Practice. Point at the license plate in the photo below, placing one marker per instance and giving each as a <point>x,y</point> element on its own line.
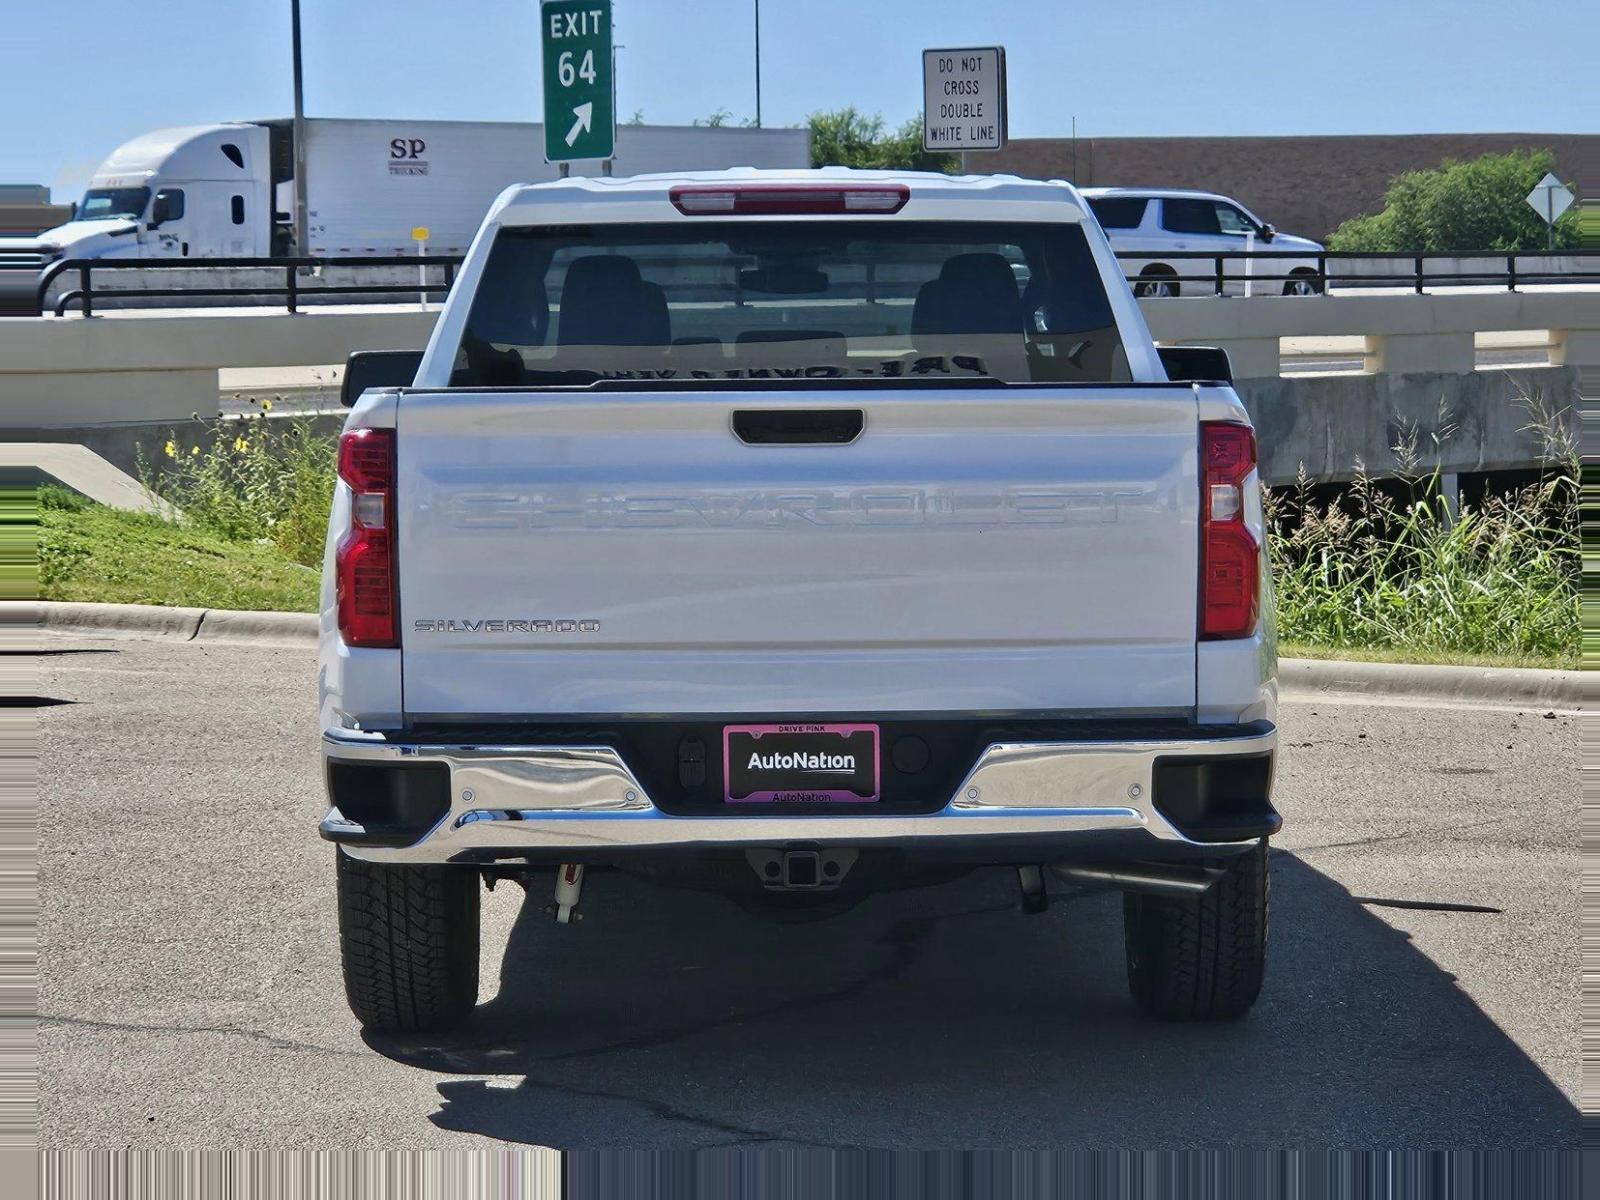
<point>800,764</point>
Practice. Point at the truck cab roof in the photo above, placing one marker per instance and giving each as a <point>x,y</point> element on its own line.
<point>980,197</point>
<point>186,151</point>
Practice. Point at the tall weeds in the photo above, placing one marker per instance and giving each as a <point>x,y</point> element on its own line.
<point>254,479</point>
<point>1434,574</point>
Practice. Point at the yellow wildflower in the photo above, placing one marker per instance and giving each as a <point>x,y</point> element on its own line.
<point>194,451</point>
<point>240,445</point>
<point>172,448</point>
<point>266,406</point>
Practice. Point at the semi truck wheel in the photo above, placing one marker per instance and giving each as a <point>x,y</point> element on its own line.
<point>1201,958</point>
<point>408,936</point>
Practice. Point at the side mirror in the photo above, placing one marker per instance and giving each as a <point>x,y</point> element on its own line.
<point>1268,232</point>
<point>160,210</point>
<point>1196,364</point>
<point>377,369</point>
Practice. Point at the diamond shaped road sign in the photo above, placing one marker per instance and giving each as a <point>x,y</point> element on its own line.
<point>579,95</point>
<point>1550,198</point>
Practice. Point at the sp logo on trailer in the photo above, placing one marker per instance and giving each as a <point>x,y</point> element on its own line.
<point>406,156</point>
<point>580,110</point>
<point>964,99</point>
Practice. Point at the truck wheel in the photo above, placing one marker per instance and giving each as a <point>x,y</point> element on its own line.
<point>408,936</point>
<point>1303,283</point>
<point>1157,283</point>
<point>1201,958</point>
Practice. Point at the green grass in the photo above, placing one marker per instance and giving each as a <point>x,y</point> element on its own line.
<point>88,552</point>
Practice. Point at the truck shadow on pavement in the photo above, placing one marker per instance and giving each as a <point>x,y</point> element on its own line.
<point>944,1017</point>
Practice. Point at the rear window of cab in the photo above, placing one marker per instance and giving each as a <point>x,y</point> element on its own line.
<point>820,299</point>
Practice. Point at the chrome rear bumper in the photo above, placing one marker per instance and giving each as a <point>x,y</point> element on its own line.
<point>546,801</point>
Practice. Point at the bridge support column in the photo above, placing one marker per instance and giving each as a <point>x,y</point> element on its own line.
<point>1574,347</point>
<point>1251,358</point>
<point>1413,353</point>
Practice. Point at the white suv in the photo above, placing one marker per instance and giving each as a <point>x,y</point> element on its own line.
<point>1164,221</point>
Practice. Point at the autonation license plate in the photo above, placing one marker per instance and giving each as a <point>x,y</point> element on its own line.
<point>800,764</point>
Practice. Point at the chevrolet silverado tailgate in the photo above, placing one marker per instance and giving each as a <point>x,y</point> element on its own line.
<point>626,551</point>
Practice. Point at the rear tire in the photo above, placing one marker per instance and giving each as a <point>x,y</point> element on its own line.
<point>1156,282</point>
<point>1201,958</point>
<point>1303,283</point>
<point>408,936</point>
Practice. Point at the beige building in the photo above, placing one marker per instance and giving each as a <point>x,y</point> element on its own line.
<point>25,209</point>
<point>1304,185</point>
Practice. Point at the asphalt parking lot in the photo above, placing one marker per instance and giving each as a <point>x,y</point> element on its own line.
<point>190,991</point>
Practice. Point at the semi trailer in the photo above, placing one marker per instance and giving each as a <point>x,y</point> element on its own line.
<point>227,190</point>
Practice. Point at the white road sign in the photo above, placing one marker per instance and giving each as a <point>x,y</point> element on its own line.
<point>964,99</point>
<point>1550,198</point>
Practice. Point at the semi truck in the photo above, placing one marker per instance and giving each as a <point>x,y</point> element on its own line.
<point>227,190</point>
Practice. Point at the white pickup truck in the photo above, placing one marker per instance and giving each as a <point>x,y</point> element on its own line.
<point>797,535</point>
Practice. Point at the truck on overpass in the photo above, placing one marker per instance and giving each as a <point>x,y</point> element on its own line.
<point>226,190</point>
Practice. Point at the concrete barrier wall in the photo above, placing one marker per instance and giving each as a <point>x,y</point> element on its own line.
<point>139,367</point>
<point>1403,333</point>
<point>1456,424</point>
<point>1327,425</point>
<point>119,381</point>
<point>1491,266</point>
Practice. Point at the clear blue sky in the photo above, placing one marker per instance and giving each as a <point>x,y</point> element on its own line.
<point>99,72</point>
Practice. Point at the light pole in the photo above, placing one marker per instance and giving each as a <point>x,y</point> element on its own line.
<point>300,247</point>
<point>758,63</point>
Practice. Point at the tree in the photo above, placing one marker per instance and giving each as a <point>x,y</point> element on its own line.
<point>848,138</point>
<point>1460,208</point>
<point>722,117</point>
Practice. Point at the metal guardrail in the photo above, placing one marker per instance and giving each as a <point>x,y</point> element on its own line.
<point>293,290</point>
<point>1229,267</point>
<point>1419,278</point>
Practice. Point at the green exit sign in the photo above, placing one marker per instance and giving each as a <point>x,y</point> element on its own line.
<point>580,111</point>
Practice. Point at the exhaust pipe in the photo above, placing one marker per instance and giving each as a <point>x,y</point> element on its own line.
<point>1157,879</point>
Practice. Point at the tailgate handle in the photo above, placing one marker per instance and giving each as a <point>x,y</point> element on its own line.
<point>798,426</point>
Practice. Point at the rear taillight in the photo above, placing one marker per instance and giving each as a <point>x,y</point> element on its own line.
<point>789,199</point>
<point>364,560</point>
<point>1230,556</point>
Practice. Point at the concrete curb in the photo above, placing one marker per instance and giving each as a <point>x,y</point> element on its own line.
<point>154,621</point>
<point>130,620</point>
<point>222,624</point>
<point>1300,677</point>
<point>1296,676</point>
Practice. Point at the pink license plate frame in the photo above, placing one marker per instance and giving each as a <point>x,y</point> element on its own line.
<point>826,733</point>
